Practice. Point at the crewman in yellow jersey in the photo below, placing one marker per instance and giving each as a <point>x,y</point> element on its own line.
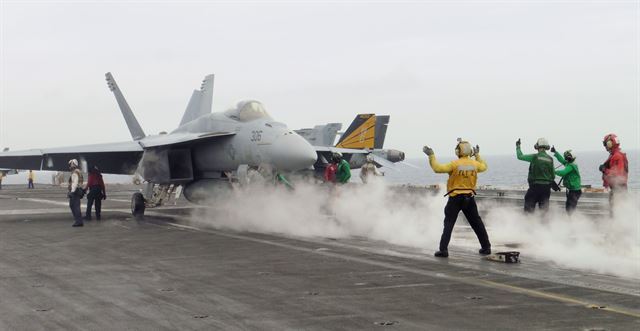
<point>463,175</point>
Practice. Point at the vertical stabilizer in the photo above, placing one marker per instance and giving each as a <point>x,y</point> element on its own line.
<point>360,134</point>
<point>321,135</point>
<point>200,102</point>
<point>132,122</point>
<point>382,122</point>
<point>207,94</point>
<point>193,107</point>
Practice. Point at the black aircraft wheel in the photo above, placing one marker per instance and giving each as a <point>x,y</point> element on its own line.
<point>137,205</point>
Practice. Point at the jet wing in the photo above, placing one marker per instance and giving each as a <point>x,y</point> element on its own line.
<point>113,158</point>
<point>326,149</point>
<point>382,162</point>
<point>180,138</point>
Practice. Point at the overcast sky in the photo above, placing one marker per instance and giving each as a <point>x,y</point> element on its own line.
<point>489,71</point>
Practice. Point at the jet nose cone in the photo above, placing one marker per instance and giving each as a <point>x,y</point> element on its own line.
<point>292,152</point>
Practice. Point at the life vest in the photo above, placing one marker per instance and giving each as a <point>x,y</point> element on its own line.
<point>80,179</point>
<point>463,177</point>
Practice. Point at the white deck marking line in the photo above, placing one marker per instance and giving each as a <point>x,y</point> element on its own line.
<point>119,200</point>
<point>51,202</point>
<point>11,212</point>
<point>395,286</point>
<point>474,281</point>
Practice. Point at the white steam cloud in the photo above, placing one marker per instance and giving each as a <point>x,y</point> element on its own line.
<point>415,219</point>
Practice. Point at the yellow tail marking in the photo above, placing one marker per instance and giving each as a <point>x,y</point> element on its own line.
<point>362,137</point>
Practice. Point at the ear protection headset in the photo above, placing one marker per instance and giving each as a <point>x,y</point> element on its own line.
<point>569,156</point>
<point>463,148</point>
<point>541,143</point>
<point>610,141</point>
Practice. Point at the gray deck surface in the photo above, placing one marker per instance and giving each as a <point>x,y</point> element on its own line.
<point>157,274</point>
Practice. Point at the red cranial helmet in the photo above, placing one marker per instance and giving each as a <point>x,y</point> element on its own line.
<point>610,141</point>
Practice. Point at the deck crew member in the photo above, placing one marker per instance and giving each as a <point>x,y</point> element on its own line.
<point>463,175</point>
<point>540,178</point>
<point>75,192</point>
<point>369,169</point>
<point>30,177</point>
<point>615,170</point>
<point>571,178</point>
<point>96,192</point>
<point>343,174</point>
<point>331,170</point>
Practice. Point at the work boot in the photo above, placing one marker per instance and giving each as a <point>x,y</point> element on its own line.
<point>441,254</point>
<point>484,251</point>
<point>75,225</point>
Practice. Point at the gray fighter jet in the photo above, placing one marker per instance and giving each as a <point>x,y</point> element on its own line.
<point>207,150</point>
<point>365,135</point>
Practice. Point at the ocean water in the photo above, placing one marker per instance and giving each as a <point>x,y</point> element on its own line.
<point>506,171</point>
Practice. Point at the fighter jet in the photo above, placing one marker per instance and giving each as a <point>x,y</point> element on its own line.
<point>205,152</point>
<point>365,135</point>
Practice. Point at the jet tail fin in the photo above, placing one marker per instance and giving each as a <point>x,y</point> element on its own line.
<point>129,117</point>
<point>321,135</point>
<point>366,131</point>
<point>382,123</point>
<point>200,102</point>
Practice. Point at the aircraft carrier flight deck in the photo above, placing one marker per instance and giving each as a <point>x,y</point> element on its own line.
<point>162,273</point>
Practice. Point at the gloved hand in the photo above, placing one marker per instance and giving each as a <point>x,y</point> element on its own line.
<point>104,197</point>
<point>601,168</point>
<point>427,150</point>
<point>518,143</point>
<point>476,150</point>
<point>69,195</point>
<point>553,149</point>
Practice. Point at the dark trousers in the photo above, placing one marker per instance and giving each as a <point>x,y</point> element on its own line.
<point>572,200</point>
<point>94,196</point>
<point>466,203</point>
<point>615,193</point>
<point>537,194</point>
<point>30,183</point>
<point>74,204</point>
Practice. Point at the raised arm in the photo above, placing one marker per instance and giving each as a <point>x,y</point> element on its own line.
<point>560,158</point>
<point>523,157</point>
<point>563,172</point>
<point>437,167</point>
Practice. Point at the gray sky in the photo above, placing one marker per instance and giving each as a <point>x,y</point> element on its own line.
<point>488,71</point>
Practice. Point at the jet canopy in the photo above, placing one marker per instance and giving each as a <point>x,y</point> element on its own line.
<point>247,111</point>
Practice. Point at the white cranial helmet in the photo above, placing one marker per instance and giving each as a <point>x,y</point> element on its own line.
<point>369,157</point>
<point>542,143</point>
<point>463,148</point>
